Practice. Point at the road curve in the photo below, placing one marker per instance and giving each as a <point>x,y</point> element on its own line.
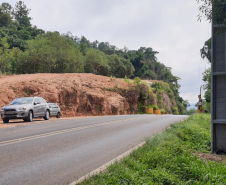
<point>62,151</point>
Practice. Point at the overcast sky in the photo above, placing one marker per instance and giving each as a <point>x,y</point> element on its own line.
<point>169,27</point>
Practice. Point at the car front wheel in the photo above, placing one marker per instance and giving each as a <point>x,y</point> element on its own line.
<point>30,117</point>
<point>46,117</point>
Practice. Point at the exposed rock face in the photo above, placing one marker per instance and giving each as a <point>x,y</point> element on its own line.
<point>76,94</point>
<point>167,103</point>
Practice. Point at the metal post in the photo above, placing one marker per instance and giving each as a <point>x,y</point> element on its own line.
<point>218,86</point>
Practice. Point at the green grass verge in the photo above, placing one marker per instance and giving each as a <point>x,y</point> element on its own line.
<point>169,158</point>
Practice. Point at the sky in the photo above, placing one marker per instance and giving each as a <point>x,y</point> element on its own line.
<point>169,27</point>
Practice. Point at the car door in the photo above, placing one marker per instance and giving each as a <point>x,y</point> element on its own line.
<point>55,109</point>
<point>36,107</point>
<point>51,108</point>
<point>42,107</point>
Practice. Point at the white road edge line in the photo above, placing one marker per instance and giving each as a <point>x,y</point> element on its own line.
<point>104,167</point>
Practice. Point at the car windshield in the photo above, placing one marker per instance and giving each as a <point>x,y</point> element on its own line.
<point>20,101</point>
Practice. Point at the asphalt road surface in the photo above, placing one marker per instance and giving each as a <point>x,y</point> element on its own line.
<point>61,151</point>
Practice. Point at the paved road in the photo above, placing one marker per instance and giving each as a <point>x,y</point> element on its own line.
<point>62,151</point>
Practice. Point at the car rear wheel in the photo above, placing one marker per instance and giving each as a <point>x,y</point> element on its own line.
<point>46,117</point>
<point>58,115</point>
<point>5,120</point>
<point>30,117</point>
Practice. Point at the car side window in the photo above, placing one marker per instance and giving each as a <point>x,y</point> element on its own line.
<point>39,100</point>
<point>36,100</point>
<point>43,100</point>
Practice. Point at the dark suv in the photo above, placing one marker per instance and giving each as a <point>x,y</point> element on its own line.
<point>26,108</point>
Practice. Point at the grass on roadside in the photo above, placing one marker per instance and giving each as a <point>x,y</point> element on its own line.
<point>169,158</point>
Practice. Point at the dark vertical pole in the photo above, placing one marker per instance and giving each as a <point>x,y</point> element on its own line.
<point>212,98</point>
<point>218,85</point>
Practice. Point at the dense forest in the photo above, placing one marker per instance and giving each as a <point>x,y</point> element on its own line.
<point>27,49</point>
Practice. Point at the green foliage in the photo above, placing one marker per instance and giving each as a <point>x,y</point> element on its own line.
<point>149,106</point>
<point>137,80</point>
<point>112,78</point>
<point>155,107</point>
<point>191,111</point>
<point>175,110</point>
<point>13,66</point>
<point>119,66</point>
<point>94,59</point>
<point>162,111</point>
<point>157,85</point>
<point>205,51</point>
<point>5,56</point>
<point>5,19</point>
<point>213,10</point>
<point>20,13</point>
<point>140,108</point>
<point>127,80</point>
<point>207,86</point>
<point>159,96</point>
<point>207,106</point>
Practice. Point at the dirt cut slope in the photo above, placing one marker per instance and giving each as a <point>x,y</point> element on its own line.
<point>77,94</point>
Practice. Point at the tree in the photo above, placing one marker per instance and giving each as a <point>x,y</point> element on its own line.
<point>13,66</point>
<point>207,86</point>
<point>20,13</point>
<point>93,60</point>
<point>6,8</point>
<point>5,17</point>
<point>205,51</point>
<point>5,56</point>
<point>213,10</point>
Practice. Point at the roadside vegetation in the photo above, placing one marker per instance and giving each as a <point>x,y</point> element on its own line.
<point>169,158</point>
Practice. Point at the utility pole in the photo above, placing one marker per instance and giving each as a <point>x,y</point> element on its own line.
<point>218,85</point>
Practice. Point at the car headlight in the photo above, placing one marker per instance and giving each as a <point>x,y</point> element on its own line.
<point>22,108</point>
<point>2,109</point>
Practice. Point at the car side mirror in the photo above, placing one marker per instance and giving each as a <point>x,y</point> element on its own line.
<point>35,103</point>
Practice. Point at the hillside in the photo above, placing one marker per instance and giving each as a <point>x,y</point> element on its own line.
<point>26,49</point>
<point>80,94</point>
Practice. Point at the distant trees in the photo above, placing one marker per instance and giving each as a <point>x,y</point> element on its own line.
<point>20,12</point>
<point>5,56</point>
<point>15,25</point>
<point>51,53</point>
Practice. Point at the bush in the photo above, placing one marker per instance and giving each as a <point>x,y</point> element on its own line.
<point>112,78</point>
<point>140,107</point>
<point>175,110</point>
<point>157,85</point>
<point>159,96</point>
<point>155,107</point>
<point>148,106</point>
<point>162,111</point>
<point>137,80</point>
<point>127,80</point>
